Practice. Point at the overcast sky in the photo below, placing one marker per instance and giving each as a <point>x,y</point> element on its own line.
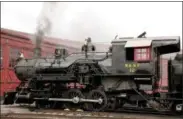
<point>100,21</point>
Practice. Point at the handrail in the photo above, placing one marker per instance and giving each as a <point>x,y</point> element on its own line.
<point>92,59</point>
<point>70,55</point>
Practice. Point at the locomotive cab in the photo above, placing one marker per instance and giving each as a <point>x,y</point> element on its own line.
<point>140,57</point>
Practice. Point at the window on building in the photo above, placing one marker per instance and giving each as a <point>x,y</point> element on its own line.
<point>14,54</point>
<point>48,54</point>
<point>43,54</point>
<point>142,54</point>
<point>30,54</point>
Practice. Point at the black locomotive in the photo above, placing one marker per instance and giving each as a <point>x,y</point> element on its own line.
<point>127,76</point>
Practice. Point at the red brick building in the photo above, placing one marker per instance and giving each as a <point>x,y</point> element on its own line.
<point>14,42</point>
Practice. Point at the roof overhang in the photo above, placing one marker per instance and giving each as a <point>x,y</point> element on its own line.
<point>165,44</point>
<point>138,43</point>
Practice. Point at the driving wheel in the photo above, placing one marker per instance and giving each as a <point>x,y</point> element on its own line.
<point>74,94</point>
<point>102,101</point>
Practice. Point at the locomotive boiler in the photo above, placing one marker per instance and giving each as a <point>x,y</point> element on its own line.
<point>127,76</point>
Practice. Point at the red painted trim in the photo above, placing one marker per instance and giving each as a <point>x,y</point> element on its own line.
<point>163,81</point>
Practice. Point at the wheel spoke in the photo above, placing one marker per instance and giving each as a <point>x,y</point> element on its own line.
<point>72,93</point>
<point>97,94</point>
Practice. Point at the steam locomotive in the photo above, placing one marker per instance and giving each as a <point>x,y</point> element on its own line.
<point>99,81</point>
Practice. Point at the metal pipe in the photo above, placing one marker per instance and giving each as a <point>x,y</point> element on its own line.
<point>27,96</point>
<point>60,99</point>
<point>91,100</point>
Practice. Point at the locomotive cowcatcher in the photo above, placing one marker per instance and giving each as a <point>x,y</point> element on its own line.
<point>128,76</point>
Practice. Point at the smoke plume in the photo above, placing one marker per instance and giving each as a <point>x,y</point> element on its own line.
<point>44,25</point>
<point>77,21</point>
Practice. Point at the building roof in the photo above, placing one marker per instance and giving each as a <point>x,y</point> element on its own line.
<point>58,41</point>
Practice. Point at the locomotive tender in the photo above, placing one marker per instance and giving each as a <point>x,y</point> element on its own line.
<point>127,76</point>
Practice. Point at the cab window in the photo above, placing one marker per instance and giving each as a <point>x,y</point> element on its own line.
<point>130,54</point>
<point>138,54</point>
<point>142,54</point>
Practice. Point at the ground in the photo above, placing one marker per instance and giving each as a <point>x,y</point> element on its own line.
<point>23,112</point>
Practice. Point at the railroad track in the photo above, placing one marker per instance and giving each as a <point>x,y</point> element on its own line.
<point>59,115</point>
<point>12,113</point>
<point>74,115</point>
<point>152,112</point>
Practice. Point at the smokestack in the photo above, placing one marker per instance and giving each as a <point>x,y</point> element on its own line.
<point>43,26</point>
